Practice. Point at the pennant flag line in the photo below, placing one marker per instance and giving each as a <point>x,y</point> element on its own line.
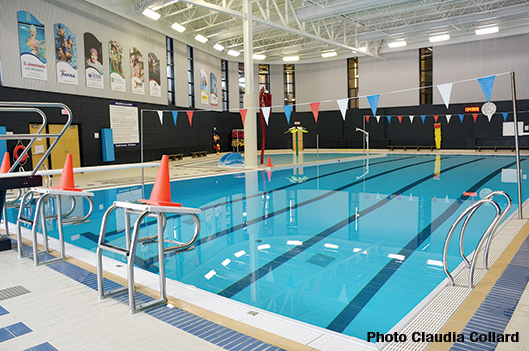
<point>190,117</point>
<point>435,117</point>
<point>266,113</point>
<point>378,118</point>
<point>315,107</point>
<point>505,114</point>
<point>448,118</point>
<point>175,115</point>
<point>461,118</point>
<point>400,119</point>
<point>411,119</point>
<point>342,104</point>
<point>486,85</point>
<point>475,115</point>
<point>423,118</point>
<point>373,102</point>
<point>367,119</point>
<point>243,112</point>
<point>445,90</point>
<point>288,112</point>
<point>389,119</point>
<point>160,115</point>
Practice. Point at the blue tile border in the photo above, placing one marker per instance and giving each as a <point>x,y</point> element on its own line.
<point>209,331</point>
<point>12,331</point>
<point>497,308</point>
<point>42,347</point>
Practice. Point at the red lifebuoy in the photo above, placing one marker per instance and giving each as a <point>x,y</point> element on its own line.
<point>18,150</point>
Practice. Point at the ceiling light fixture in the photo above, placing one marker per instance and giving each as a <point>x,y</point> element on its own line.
<point>233,53</point>
<point>291,58</point>
<point>258,56</point>
<point>151,14</point>
<point>437,38</point>
<point>178,27</point>
<point>218,47</point>
<point>397,44</point>
<point>487,30</point>
<point>201,38</point>
<point>329,54</point>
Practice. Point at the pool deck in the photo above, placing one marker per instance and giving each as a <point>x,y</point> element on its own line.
<point>55,306</point>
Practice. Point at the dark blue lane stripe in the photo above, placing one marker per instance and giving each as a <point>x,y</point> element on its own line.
<point>349,313</point>
<point>249,279</point>
<point>306,202</point>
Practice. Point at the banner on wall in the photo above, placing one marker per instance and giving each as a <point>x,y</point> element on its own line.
<point>117,73</point>
<point>154,75</point>
<point>66,55</point>
<point>136,71</point>
<point>203,87</point>
<point>213,92</point>
<point>93,54</point>
<point>124,124</point>
<point>32,46</point>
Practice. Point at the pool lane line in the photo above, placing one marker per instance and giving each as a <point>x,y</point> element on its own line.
<point>355,306</point>
<point>95,237</point>
<point>252,277</point>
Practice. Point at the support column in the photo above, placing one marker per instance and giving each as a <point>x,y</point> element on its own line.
<point>250,98</point>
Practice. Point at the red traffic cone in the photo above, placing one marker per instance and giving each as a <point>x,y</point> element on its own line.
<point>161,191</point>
<point>269,163</point>
<point>66,182</point>
<point>6,164</point>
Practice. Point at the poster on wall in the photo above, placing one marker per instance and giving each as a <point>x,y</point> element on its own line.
<point>117,73</point>
<point>136,71</point>
<point>203,87</point>
<point>124,124</point>
<point>65,55</point>
<point>93,58</point>
<point>32,46</point>
<point>154,75</point>
<point>213,93</point>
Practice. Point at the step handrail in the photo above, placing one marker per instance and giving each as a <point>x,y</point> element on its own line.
<point>470,212</point>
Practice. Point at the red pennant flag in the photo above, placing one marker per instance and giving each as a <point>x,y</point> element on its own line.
<point>435,117</point>
<point>367,119</point>
<point>315,106</point>
<point>475,115</point>
<point>400,119</point>
<point>243,112</point>
<point>190,117</point>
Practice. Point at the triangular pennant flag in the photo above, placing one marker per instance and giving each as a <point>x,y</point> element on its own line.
<point>490,117</point>
<point>486,84</point>
<point>447,200</point>
<point>269,175</point>
<point>411,197</point>
<point>175,115</point>
<point>421,198</point>
<point>190,117</point>
<point>423,118</point>
<point>367,195</point>
<point>315,107</point>
<point>266,113</point>
<point>475,116</point>
<point>243,112</point>
<point>160,115</point>
<point>343,296</point>
<point>367,118</point>
<point>378,119</point>
<point>435,117</point>
<point>342,104</point>
<point>448,118</point>
<point>378,196</point>
<point>411,119</point>
<point>399,198</point>
<point>389,119</point>
<point>434,199</point>
<point>373,102</point>
<point>400,119</point>
<point>288,112</point>
<point>459,200</point>
<point>461,118</point>
<point>389,197</point>
<point>445,90</point>
<point>505,114</point>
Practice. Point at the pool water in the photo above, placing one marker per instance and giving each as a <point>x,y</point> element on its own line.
<point>350,246</point>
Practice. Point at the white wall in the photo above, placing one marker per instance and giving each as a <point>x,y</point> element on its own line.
<point>180,67</point>
<point>277,87</point>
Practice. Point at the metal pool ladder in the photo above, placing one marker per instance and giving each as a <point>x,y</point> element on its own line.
<point>129,251</point>
<point>485,239</point>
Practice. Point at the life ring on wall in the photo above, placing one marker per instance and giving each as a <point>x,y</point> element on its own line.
<point>18,150</point>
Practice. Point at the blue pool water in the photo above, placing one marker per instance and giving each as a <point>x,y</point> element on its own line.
<point>302,157</point>
<point>351,246</point>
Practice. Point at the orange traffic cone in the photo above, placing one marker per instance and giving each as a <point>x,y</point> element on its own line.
<point>6,164</point>
<point>161,191</point>
<point>66,183</point>
<point>269,163</point>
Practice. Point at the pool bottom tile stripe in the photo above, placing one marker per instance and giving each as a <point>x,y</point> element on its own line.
<point>496,310</point>
<point>42,347</point>
<point>12,331</point>
<point>209,331</point>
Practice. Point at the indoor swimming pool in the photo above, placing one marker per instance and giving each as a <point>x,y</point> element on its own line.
<point>350,246</point>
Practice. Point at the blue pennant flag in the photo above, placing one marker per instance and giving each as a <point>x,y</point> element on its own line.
<point>423,118</point>
<point>373,102</point>
<point>486,84</point>
<point>288,111</point>
<point>389,119</point>
<point>505,114</point>
<point>461,118</point>
<point>175,115</point>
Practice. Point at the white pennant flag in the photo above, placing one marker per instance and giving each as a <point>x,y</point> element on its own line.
<point>448,118</point>
<point>160,114</point>
<point>445,90</point>
<point>266,113</point>
<point>343,106</point>
<point>411,119</point>
<point>378,118</point>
